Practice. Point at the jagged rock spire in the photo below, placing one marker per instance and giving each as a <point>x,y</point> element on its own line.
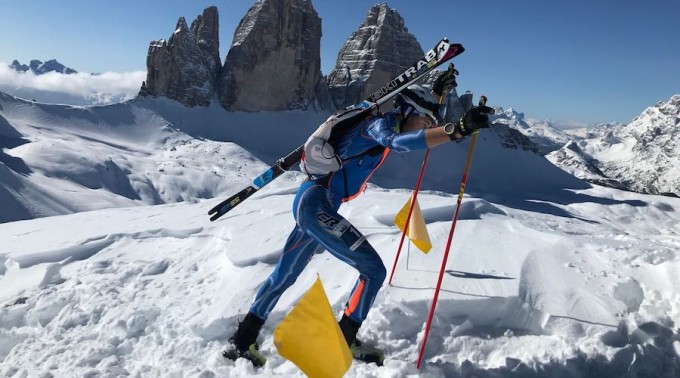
<point>379,50</point>
<point>186,66</point>
<point>274,62</point>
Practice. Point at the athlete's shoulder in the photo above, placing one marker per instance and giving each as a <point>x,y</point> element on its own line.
<point>385,122</point>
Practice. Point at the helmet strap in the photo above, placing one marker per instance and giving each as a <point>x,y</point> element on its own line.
<point>405,115</point>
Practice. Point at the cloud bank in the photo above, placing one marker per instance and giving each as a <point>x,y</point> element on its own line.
<point>73,89</point>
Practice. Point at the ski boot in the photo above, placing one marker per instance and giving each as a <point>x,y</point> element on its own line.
<point>252,353</point>
<point>360,351</point>
<point>243,344</point>
<point>367,354</point>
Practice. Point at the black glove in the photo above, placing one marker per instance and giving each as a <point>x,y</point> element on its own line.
<point>476,118</point>
<point>446,79</point>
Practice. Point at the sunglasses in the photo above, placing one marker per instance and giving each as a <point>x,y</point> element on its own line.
<point>416,113</point>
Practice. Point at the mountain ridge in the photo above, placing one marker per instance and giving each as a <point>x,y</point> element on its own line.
<point>38,67</point>
<point>642,156</point>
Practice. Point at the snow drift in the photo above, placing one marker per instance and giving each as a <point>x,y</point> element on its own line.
<point>548,276</point>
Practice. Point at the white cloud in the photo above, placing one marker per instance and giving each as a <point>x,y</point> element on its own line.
<point>561,124</point>
<point>75,89</point>
<point>566,125</point>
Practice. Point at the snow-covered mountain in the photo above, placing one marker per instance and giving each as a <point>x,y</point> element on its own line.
<point>643,155</point>
<point>543,133</point>
<point>548,276</point>
<point>573,160</point>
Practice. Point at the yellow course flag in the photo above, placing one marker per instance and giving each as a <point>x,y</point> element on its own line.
<point>310,337</point>
<point>417,231</point>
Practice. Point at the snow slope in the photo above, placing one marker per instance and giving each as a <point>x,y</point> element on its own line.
<point>548,275</point>
<point>65,159</point>
<point>152,151</point>
<point>156,291</point>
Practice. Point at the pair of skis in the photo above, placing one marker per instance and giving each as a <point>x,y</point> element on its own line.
<point>441,53</point>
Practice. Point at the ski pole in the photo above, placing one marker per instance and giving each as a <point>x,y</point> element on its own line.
<point>414,197</point>
<point>461,190</point>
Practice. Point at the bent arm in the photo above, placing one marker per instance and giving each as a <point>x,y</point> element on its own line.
<point>382,131</point>
<point>436,136</point>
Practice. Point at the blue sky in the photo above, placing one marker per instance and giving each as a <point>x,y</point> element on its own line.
<point>583,61</point>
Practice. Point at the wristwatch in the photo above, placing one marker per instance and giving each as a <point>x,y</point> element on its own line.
<point>450,130</point>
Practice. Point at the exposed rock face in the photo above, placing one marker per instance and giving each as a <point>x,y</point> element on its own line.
<point>381,49</point>
<point>274,62</point>
<point>186,66</point>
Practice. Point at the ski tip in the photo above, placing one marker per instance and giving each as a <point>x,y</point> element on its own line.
<point>452,51</point>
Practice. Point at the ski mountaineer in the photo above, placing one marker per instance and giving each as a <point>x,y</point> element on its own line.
<point>411,125</point>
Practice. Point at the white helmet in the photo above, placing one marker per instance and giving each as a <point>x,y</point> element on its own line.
<point>421,100</point>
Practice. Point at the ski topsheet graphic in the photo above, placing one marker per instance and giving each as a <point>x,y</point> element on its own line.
<point>441,53</point>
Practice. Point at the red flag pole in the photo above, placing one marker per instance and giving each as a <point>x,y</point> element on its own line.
<point>410,211</point>
<point>414,196</point>
<point>461,190</point>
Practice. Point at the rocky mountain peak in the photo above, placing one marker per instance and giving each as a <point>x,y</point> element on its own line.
<point>382,14</point>
<point>181,26</point>
<point>186,66</point>
<point>37,67</point>
<point>18,66</point>
<point>379,50</point>
<point>274,62</point>
<point>513,114</point>
<point>205,28</point>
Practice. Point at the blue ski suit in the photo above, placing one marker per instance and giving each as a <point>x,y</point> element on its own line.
<point>362,148</point>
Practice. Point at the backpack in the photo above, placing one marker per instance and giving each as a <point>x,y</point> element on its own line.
<point>318,155</point>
